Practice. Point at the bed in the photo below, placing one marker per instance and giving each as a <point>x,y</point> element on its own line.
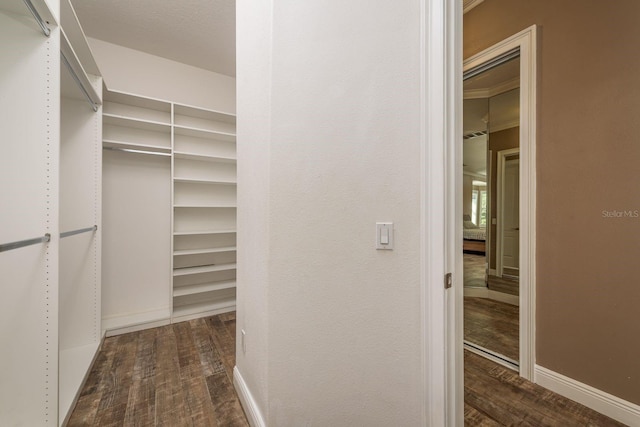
<point>474,237</point>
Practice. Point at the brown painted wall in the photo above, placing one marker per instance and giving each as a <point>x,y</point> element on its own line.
<point>501,140</point>
<point>588,269</point>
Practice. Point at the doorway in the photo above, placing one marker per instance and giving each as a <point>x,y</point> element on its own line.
<point>499,201</point>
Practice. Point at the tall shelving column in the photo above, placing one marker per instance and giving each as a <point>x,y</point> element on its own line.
<point>204,216</point>
<point>137,212</point>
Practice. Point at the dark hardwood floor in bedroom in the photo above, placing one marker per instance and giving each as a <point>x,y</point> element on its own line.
<point>181,375</point>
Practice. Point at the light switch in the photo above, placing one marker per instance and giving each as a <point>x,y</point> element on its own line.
<point>384,235</point>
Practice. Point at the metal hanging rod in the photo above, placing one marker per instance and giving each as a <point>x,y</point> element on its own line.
<point>78,231</point>
<point>15,245</point>
<point>130,150</point>
<point>39,20</point>
<point>75,77</point>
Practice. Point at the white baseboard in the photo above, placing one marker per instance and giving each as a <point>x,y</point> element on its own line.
<point>605,403</point>
<point>247,401</point>
<point>490,294</point>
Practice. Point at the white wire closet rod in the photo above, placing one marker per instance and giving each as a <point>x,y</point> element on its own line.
<point>78,231</point>
<point>76,79</point>
<point>22,243</point>
<point>43,25</point>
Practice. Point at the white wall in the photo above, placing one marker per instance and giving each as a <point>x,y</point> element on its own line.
<point>336,92</point>
<point>253,38</point>
<point>132,71</point>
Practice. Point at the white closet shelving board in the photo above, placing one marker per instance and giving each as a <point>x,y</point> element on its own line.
<point>119,129</point>
<point>204,171</point>
<point>211,147</point>
<point>205,120</point>
<point>29,171</point>
<point>136,238</point>
<point>206,241</point>
<point>204,194</point>
<point>204,219</point>
<point>204,304</point>
<point>119,104</point>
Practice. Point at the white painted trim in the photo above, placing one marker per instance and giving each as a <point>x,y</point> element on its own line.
<point>526,41</point>
<point>598,400</point>
<point>441,175</point>
<point>249,404</point>
<point>502,160</point>
<point>470,4</point>
<point>491,294</point>
<point>493,90</point>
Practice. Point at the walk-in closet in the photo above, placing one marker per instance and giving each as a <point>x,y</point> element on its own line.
<point>121,209</point>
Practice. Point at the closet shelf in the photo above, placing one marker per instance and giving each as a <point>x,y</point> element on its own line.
<point>203,181</point>
<point>203,157</point>
<point>204,251</point>
<point>206,205</point>
<point>203,232</point>
<point>203,287</point>
<point>133,146</point>
<point>204,133</point>
<point>209,307</point>
<point>136,123</point>
<point>186,271</point>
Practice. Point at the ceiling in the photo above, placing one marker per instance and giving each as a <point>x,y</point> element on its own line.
<point>201,33</point>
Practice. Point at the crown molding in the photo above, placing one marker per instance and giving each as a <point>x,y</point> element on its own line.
<point>467,5</point>
<point>493,90</point>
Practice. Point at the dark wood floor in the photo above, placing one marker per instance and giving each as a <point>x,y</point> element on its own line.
<point>177,375</point>
<point>492,325</point>
<point>181,375</point>
<point>497,396</point>
<point>474,270</point>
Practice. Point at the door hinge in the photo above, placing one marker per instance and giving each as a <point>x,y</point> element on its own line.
<point>448,280</point>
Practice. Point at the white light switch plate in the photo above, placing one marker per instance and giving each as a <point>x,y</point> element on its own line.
<point>384,235</point>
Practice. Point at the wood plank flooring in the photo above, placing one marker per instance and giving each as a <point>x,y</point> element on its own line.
<point>181,375</point>
<point>497,396</point>
<point>474,270</point>
<point>492,325</point>
<point>176,375</point>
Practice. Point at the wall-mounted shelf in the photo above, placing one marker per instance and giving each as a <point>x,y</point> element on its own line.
<point>203,232</point>
<point>203,269</point>
<point>204,251</point>
<point>203,287</point>
<point>204,197</point>
<point>203,157</point>
<point>204,181</point>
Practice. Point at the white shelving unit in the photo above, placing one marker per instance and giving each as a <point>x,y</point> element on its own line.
<point>182,212</point>
<point>137,212</point>
<point>51,165</point>
<point>204,203</point>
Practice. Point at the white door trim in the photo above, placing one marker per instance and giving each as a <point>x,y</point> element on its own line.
<point>526,41</point>
<point>441,230</point>
<point>501,160</point>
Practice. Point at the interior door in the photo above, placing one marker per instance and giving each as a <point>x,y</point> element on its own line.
<point>511,215</point>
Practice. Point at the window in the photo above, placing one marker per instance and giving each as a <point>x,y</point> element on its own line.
<point>479,207</point>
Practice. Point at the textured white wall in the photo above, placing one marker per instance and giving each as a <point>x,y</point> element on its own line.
<point>140,73</point>
<point>337,126</point>
<point>254,136</point>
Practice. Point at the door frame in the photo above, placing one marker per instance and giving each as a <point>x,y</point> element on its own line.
<point>502,161</point>
<point>526,42</point>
